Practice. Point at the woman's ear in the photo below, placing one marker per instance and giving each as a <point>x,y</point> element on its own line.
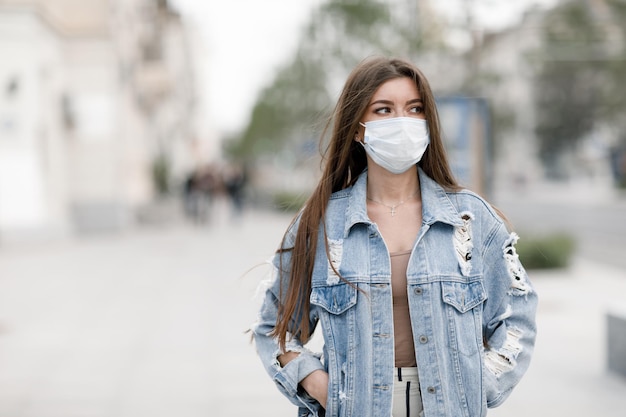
<point>358,136</point>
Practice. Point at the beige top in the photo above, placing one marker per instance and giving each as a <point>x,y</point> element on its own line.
<point>402,332</point>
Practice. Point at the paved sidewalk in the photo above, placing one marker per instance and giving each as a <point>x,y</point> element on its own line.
<point>151,323</point>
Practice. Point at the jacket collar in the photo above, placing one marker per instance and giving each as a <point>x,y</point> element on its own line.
<point>436,205</point>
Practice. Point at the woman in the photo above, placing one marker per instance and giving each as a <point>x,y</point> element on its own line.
<point>423,304</point>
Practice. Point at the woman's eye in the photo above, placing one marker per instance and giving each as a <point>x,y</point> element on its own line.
<point>382,110</point>
<point>417,109</point>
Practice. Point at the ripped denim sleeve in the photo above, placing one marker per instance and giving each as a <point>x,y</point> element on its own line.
<point>510,327</point>
<point>287,378</point>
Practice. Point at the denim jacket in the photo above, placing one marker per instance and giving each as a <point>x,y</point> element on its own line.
<point>471,304</point>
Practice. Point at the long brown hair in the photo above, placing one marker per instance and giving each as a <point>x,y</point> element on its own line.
<point>344,160</point>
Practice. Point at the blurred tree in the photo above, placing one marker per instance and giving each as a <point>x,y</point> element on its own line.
<point>339,35</point>
<point>579,85</point>
<point>161,168</point>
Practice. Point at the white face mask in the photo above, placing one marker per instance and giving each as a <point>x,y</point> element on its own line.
<point>396,144</point>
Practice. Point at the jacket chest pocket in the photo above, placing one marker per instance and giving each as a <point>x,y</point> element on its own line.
<point>336,312</point>
<point>462,302</point>
<point>335,299</point>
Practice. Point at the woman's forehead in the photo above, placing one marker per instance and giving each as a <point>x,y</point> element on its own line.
<point>398,88</point>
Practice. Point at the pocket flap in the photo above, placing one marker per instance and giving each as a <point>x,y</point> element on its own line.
<point>463,296</point>
<point>334,298</point>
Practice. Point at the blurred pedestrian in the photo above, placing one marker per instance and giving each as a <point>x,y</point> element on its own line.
<point>192,196</point>
<point>617,161</point>
<point>198,190</point>
<point>234,183</point>
<point>423,304</point>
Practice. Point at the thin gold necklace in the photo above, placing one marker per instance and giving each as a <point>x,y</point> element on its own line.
<point>392,208</point>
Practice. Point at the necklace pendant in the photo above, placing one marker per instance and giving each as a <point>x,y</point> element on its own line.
<point>393,211</point>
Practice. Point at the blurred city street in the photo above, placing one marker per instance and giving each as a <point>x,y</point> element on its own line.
<point>128,127</point>
<point>151,322</point>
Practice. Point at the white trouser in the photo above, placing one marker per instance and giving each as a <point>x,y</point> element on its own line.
<point>407,400</point>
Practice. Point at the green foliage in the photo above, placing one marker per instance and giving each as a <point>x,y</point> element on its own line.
<point>340,34</point>
<point>547,252</point>
<point>357,17</point>
<point>296,97</point>
<point>161,174</point>
<point>289,201</point>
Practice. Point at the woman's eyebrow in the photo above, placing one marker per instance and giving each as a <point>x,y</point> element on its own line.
<point>381,102</point>
<point>388,102</point>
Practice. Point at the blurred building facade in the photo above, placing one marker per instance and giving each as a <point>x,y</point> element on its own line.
<point>506,59</point>
<point>97,99</point>
<point>502,67</point>
<point>512,58</point>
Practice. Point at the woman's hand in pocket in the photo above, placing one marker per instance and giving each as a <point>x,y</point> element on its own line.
<point>316,385</point>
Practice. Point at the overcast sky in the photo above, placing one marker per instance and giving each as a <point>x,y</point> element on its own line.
<point>246,40</point>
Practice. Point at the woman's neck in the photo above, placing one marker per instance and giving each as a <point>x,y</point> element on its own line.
<point>388,188</point>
